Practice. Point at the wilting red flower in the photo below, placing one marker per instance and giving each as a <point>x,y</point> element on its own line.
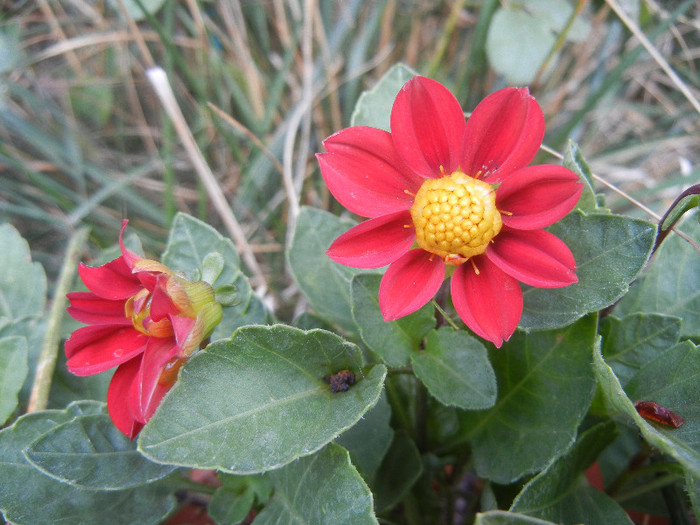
<point>143,319</point>
<point>462,193</point>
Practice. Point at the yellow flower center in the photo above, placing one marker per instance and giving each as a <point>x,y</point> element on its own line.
<point>455,217</point>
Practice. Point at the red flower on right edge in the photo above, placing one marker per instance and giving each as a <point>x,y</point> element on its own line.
<point>459,193</point>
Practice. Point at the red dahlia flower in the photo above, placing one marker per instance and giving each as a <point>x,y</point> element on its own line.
<point>143,319</point>
<point>444,194</point>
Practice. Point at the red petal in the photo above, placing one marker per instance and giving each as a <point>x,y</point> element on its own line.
<point>375,242</point>
<point>158,352</point>
<point>409,283</point>
<point>365,174</point>
<point>110,281</point>
<point>537,196</point>
<point>161,303</point>
<point>427,126</point>
<point>490,303</point>
<point>535,257</point>
<point>503,134</point>
<point>182,328</point>
<point>118,398</point>
<point>88,308</point>
<point>129,257</point>
<point>94,349</point>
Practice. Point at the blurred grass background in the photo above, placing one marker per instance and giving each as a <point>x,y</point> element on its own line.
<point>84,140</point>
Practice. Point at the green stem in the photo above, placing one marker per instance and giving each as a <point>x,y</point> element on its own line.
<point>444,315</point>
<point>47,359</point>
<point>561,39</point>
<point>656,483</point>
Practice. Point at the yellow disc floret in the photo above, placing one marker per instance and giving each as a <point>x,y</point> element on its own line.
<point>455,217</point>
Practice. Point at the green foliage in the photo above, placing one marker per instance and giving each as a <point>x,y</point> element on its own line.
<point>561,495</point>
<point>232,501</point>
<point>545,385</point>
<point>438,425</point>
<point>671,285</point>
<point>523,35</point>
<point>373,108</point>
<point>22,282</point>
<point>456,370</point>
<point>368,441</point>
<point>631,342</point>
<point>200,252</point>
<point>325,283</point>
<point>401,468</point>
<point>266,387</point>
<point>499,517</point>
<point>395,341</point>
<point>21,482</point>
<point>610,251</point>
<point>672,382</point>
<point>13,371</point>
<point>90,453</point>
<point>304,495</point>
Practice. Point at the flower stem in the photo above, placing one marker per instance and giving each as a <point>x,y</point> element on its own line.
<point>444,315</point>
<point>47,359</point>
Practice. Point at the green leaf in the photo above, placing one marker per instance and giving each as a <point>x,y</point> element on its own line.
<point>324,283</point>
<point>10,47</point>
<point>22,282</point>
<point>66,388</point>
<point>229,506</point>
<point>684,205</point>
<point>322,488</point>
<point>368,441</point>
<point>247,309</point>
<point>29,497</point>
<point>631,342</point>
<point>545,385</point>
<point>13,372</point>
<point>392,341</point>
<point>523,33</point>
<point>232,501</point>
<point>502,517</point>
<point>189,244</point>
<point>561,494</point>
<point>32,329</point>
<point>610,251</point>
<point>373,108</point>
<point>258,401</point>
<point>456,370</point>
<point>672,283</point>
<point>517,45</point>
<point>574,160</point>
<point>133,7</point>
<point>91,453</point>
<point>693,487</point>
<point>671,380</point>
<point>401,468</point>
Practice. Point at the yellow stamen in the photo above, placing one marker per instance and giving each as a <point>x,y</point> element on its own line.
<point>455,217</point>
<point>476,270</point>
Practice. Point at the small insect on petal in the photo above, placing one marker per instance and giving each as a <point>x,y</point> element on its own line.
<point>655,412</point>
<point>340,381</point>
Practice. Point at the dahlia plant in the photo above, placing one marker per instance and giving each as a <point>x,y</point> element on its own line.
<point>461,193</point>
<point>143,319</point>
<point>488,344</point>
